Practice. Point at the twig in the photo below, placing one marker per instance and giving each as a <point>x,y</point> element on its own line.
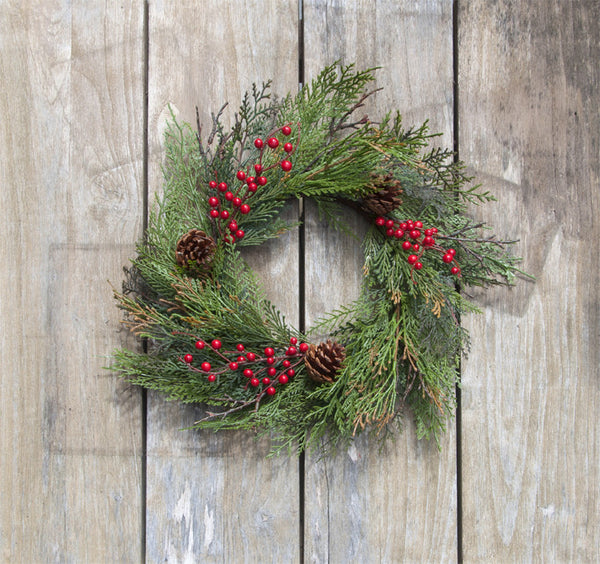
<point>199,134</point>
<point>478,240</point>
<point>215,125</point>
<point>239,407</point>
<point>360,102</point>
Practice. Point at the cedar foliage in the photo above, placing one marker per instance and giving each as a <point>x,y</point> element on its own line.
<point>402,336</point>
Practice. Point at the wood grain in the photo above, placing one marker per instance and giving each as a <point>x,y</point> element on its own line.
<point>398,504</point>
<point>70,209</point>
<point>529,125</point>
<point>215,498</point>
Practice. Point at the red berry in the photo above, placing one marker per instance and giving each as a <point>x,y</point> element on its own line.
<point>205,366</point>
<point>283,379</point>
<point>271,371</point>
<point>451,252</point>
<point>223,187</point>
<point>399,234</point>
<point>233,365</point>
<point>286,363</point>
<point>415,234</point>
<point>200,345</point>
<point>233,225</point>
<point>448,258</point>
<point>293,340</point>
<point>229,196</point>
<point>380,221</point>
<point>455,270</point>
<point>389,223</point>
<point>188,358</point>
<point>406,245</point>
<point>252,187</point>
<point>288,147</point>
<point>248,373</point>
<point>390,232</point>
<point>291,351</point>
<point>262,180</point>
<point>212,184</point>
<point>291,372</point>
<point>418,265</point>
<point>250,179</point>
<point>213,202</point>
<point>416,246</point>
<point>303,347</point>
<point>241,359</point>
<point>434,230</point>
<point>271,390</point>
<point>270,360</point>
<point>266,381</point>
<point>418,224</point>
<point>428,232</point>
<point>254,382</point>
<point>224,214</point>
<point>240,347</point>
<point>404,226</point>
<point>251,356</point>
<point>258,143</point>
<point>269,351</point>
<point>412,259</point>
<point>245,208</point>
<point>211,377</point>
<point>240,234</point>
<point>214,213</point>
<point>257,167</point>
<point>428,241</point>
<point>237,202</point>
<point>216,344</point>
<point>286,130</point>
<point>241,175</point>
<point>286,166</point>
<point>273,142</point>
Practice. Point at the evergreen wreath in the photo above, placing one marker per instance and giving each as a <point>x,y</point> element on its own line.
<point>214,339</point>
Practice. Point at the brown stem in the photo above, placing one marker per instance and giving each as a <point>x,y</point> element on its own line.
<point>242,405</point>
<point>477,240</point>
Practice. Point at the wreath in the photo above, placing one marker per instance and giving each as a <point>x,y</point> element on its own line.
<point>212,337</point>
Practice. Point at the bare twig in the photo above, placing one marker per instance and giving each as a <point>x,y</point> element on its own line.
<point>199,134</point>
<point>239,405</point>
<point>339,124</point>
<point>215,124</point>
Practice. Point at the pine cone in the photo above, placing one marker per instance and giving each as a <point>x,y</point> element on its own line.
<point>385,195</point>
<point>195,250</point>
<point>324,360</point>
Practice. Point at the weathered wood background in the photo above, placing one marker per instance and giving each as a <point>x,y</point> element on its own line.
<point>92,471</point>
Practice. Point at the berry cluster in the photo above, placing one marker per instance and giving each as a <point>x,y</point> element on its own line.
<point>261,370</point>
<point>229,203</point>
<point>416,240</point>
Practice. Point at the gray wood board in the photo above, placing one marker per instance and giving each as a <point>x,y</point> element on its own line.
<point>365,504</point>
<point>215,497</point>
<point>529,127</point>
<point>71,209</point>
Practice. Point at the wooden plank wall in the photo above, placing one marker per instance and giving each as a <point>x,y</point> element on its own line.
<point>93,471</point>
